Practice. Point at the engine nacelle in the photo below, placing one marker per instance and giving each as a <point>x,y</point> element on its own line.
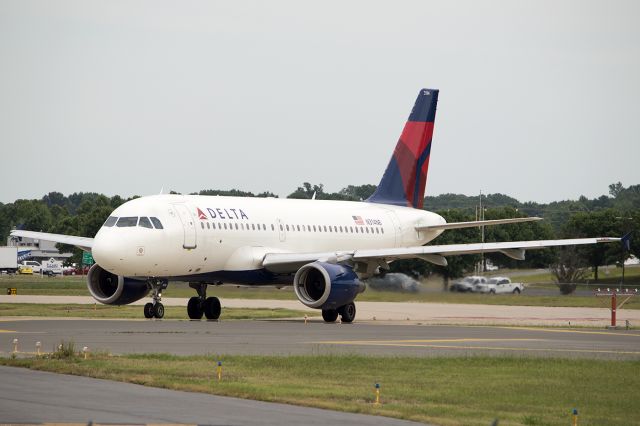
<point>323,285</point>
<point>112,289</point>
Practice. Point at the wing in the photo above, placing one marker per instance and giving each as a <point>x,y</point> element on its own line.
<point>289,262</point>
<point>476,224</point>
<point>81,242</point>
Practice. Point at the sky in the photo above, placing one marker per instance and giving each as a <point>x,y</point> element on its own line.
<point>539,100</point>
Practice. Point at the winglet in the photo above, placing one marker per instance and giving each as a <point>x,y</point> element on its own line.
<point>626,241</point>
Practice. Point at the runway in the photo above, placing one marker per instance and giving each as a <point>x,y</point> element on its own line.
<point>279,337</point>
<point>28,396</point>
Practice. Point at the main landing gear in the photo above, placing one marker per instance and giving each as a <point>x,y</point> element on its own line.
<point>347,313</point>
<point>203,305</point>
<point>155,309</point>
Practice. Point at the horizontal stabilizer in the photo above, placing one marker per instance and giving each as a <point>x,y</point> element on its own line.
<point>476,223</point>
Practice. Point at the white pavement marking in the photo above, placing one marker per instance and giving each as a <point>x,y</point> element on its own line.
<point>410,312</point>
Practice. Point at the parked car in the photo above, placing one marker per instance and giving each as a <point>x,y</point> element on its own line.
<point>497,285</point>
<point>25,270</point>
<point>467,284</point>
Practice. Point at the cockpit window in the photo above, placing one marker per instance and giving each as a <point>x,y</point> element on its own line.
<point>111,220</point>
<point>124,222</point>
<point>156,222</point>
<point>145,222</point>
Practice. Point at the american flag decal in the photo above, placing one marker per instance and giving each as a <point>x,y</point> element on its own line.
<point>358,220</point>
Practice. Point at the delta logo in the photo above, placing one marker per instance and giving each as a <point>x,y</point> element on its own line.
<point>221,213</point>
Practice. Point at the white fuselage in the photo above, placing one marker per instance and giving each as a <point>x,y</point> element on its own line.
<point>208,234</point>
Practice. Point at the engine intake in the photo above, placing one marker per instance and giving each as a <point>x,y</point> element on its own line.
<point>323,285</point>
<point>112,289</point>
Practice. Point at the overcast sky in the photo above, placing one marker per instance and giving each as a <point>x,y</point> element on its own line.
<point>538,100</point>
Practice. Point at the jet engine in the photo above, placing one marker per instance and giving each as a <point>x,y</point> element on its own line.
<point>112,289</point>
<point>325,286</point>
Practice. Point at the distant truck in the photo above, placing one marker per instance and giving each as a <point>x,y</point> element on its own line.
<point>9,260</point>
<point>48,267</point>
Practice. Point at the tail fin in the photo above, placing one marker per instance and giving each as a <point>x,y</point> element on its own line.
<point>404,181</point>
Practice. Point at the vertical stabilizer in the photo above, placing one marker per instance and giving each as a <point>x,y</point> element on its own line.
<point>404,181</point>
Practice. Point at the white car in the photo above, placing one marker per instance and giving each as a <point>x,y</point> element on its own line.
<point>497,285</point>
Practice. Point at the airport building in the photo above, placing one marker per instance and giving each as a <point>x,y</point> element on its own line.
<point>36,249</point>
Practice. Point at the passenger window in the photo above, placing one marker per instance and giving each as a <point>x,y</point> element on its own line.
<point>225,226</point>
<point>298,226</point>
<point>236,226</point>
<point>156,222</point>
<point>125,222</point>
<point>287,228</point>
<point>325,228</point>
<point>111,220</point>
<point>356,229</point>
<point>272,228</point>
<point>341,229</point>
<point>202,225</point>
<point>351,229</point>
<point>145,222</point>
<point>208,226</point>
<point>253,227</point>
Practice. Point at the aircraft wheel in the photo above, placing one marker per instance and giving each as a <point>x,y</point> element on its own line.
<point>347,312</point>
<point>148,310</point>
<point>158,310</point>
<point>329,315</point>
<point>194,308</point>
<point>212,308</point>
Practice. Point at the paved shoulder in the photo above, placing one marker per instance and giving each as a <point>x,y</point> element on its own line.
<point>29,396</point>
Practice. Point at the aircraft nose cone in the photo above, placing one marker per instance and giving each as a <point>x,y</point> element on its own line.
<point>106,252</point>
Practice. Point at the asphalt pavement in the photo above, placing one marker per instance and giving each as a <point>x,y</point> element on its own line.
<point>294,337</point>
<point>28,396</point>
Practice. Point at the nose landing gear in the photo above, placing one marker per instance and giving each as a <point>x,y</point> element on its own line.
<point>202,305</point>
<point>155,309</point>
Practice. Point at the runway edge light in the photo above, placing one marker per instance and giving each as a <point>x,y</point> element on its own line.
<point>574,417</point>
<point>219,370</point>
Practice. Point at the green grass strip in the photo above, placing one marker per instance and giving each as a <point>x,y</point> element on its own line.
<point>444,391</point>
<point>126,312</point>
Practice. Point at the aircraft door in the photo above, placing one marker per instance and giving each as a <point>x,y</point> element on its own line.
<point>281,231</point>
<point>188,225</point>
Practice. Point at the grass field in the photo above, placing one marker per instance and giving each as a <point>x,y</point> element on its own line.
<point>444,391</point>
<point>75,286</point>
<point>125,312</point>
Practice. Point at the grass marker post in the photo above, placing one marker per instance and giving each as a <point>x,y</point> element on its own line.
<point>574,418</point>
<point>38,347</point>
<point>219,370</point>
<point>377,394</point>
<point>15,346</point>
<point>85,351</point>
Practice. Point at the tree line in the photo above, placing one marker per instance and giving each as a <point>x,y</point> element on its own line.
<point>615,214</point>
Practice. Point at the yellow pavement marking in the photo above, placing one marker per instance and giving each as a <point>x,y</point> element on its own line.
<point>403,342</point>
<point>489,348</point>
<point>563,330</point>
<point>8,331</point>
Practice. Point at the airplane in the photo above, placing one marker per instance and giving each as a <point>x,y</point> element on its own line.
<point>324,249</point>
